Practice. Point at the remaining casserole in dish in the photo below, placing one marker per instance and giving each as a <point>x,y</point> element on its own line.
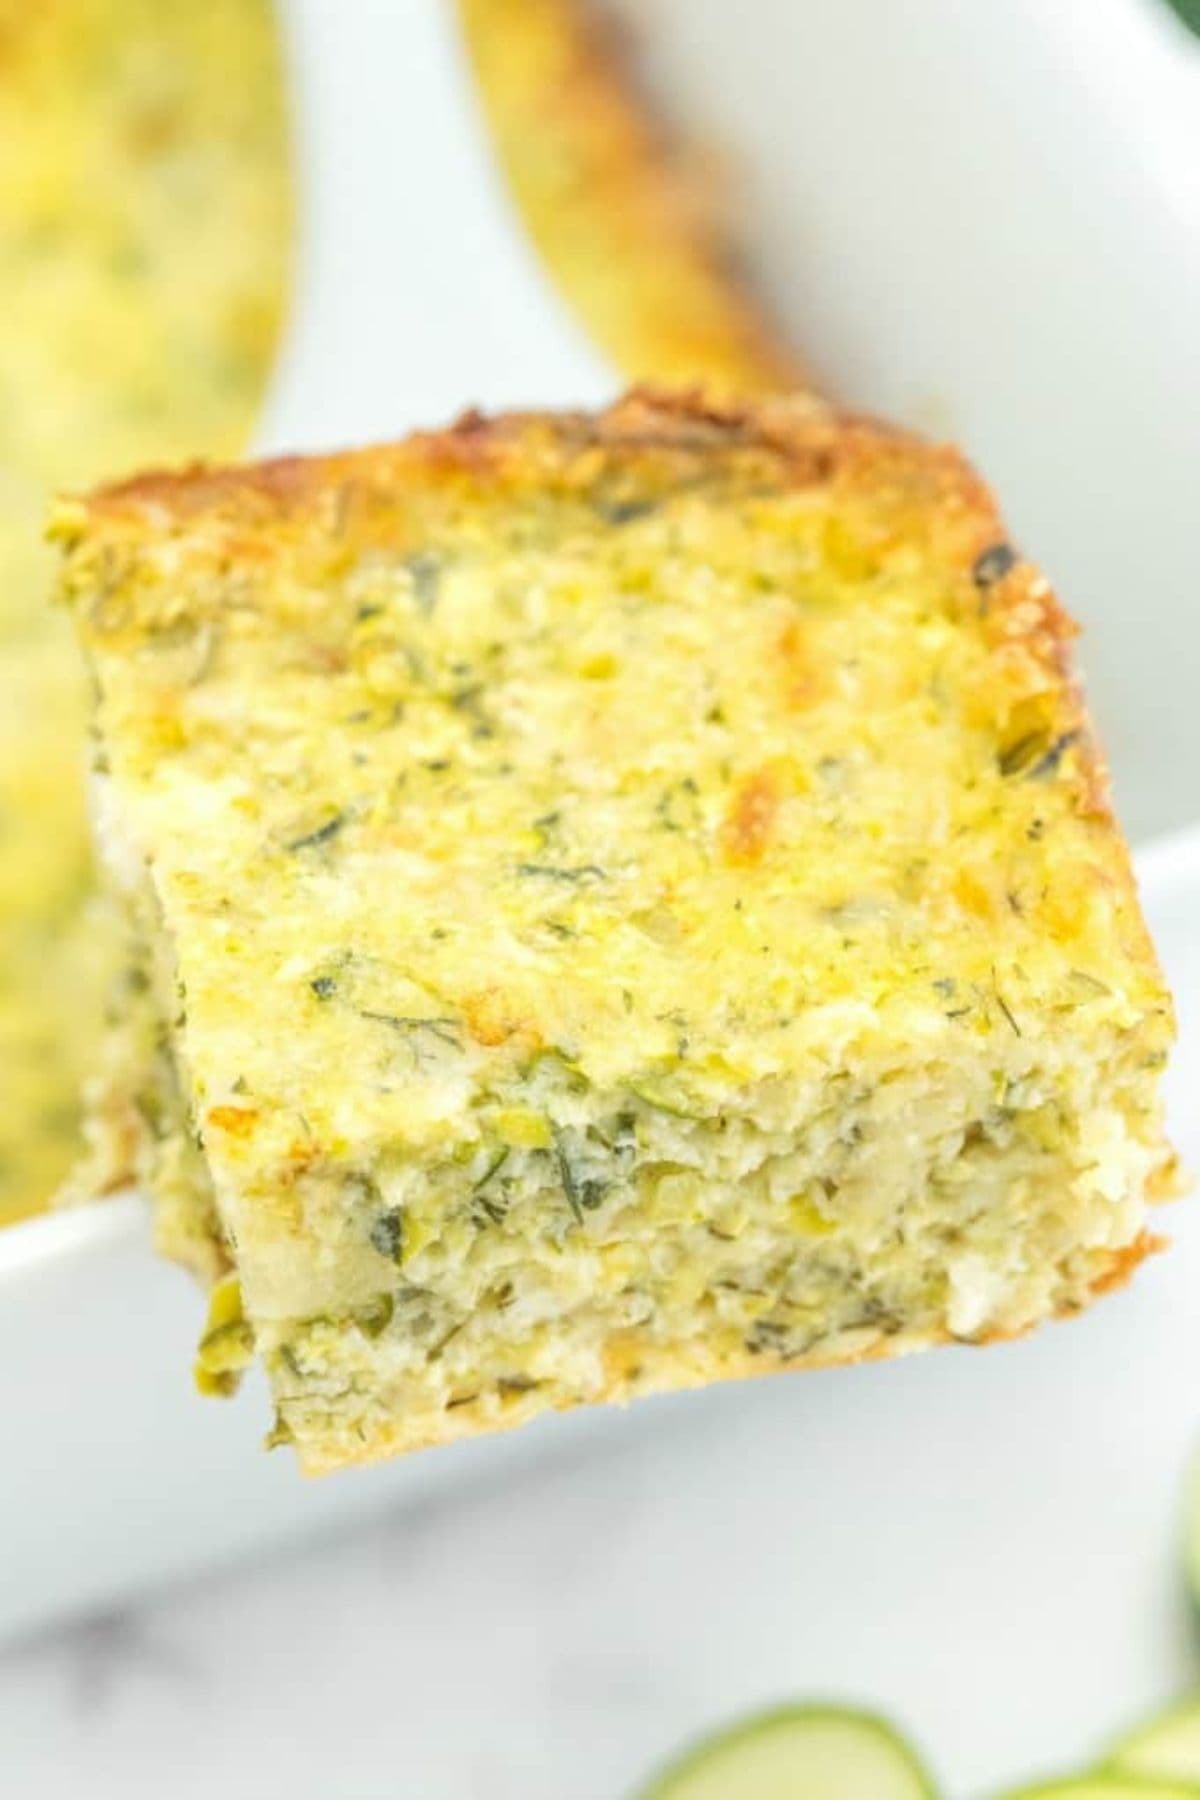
<point>614,902</point>
<point>626,216</point>
<point>145,231</point>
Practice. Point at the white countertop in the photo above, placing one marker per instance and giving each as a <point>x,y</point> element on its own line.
<point>983,1544</point>
<point>997,1574</point>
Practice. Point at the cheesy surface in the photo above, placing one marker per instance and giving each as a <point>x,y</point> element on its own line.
<point>144,242</point>
<point>631,900</point>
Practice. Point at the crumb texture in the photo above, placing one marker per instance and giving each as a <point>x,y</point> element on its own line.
<point>626,900</point>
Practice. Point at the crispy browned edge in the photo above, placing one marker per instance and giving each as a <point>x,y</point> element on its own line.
<point>931,486</point>
<point>932,489</point>
<point>560,87</point>
<point>805,445</point>
<point>809,442</point>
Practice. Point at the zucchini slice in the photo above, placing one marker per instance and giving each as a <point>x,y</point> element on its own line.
<point>1105,1786</point>
<point>798,1753</point>
<point>1165,1748</point>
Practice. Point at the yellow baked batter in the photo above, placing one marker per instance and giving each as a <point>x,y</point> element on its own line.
<point>145,227</point>
<point>619,901</point>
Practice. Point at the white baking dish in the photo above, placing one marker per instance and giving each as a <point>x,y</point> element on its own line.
<point>985,220</point>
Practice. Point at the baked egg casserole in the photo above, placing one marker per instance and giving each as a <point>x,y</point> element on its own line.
<point>145,236</point>
<point>632,223</point>
<point>614,902</point>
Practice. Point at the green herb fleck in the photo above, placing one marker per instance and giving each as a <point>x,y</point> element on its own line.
<point>321,835</point>
<point>1054,755</point>
<point>444,1030</point>
<point>624,512</point>
<point>581,1194</point>
<point>1018,757</point>
<point>659,1102</point>
<point>469,700</point>
<point>768,1335</point>
<point>387,1234</point>
<point>624,1144</point>
<point>492,1209</point>
<point>1035,755</point>
<point>566,1175</point>
<point>426,572</point>
<point>1087,986</point>
<point>372,1320</point>
<point>1006,1009</point>
<point>993,565</point>
<point>494,1167</point>
<point>678,807</point>
<point>585,873</point>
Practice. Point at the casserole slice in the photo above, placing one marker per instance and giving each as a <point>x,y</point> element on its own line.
<point>614,902</point>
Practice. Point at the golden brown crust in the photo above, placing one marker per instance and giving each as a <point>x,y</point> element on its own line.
<point>859,873</point>
<point>626,223</point>
<point>811,442</point>
<point>1125,1261</point>
<point>936,493</point>
<point>937,500</point>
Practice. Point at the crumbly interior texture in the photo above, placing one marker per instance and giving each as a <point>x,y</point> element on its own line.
<point>137,1128</point>
<point>631,900</point>
<point>144,236</point>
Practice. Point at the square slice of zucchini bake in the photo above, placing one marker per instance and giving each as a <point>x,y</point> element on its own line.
<point>614,902</point>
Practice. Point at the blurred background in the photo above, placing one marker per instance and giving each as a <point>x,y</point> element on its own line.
<point>227,225</point>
